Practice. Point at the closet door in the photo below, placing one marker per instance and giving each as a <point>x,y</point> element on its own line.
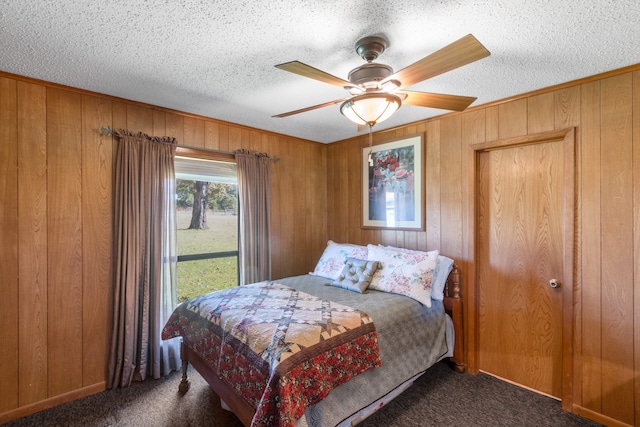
<point>522,237</point>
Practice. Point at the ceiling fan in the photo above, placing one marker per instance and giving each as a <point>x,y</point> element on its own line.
<point>377,92</point>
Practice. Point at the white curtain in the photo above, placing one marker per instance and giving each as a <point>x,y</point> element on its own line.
<point>145,286</point>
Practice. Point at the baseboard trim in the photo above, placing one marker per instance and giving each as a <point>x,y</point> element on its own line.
<point>598,417</point>
<point>32,408</point>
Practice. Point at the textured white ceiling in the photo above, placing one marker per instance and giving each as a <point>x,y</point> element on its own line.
<point>216,57</point>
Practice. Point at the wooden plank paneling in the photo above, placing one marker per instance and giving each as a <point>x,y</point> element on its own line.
<point>32,248</point>
<point>317,224</point>
<point>473,132</point>
<point>636,239</point>
<point>277,248</point>
<point>282,215</point>
<point>567,107</point>
<point>340,195</point>
<point>264,145</point>
<point>297,183</point>
<point>211,135</point>
<point>492,126</point>
<point>97,226</point>
<point>9,248</point>
<point>223,133</point>
<point>63,226</point>
<point>591,364</point>
<point>512,119</point>
<point>64,259</point>
<point>119,114</point>
<point>159,123</point>
<point>235,138</point>
<point>433,185</point>
<point>474,125</point>
<point>451,185</point>
<point>607,289</point>
<point>139,119</point>
<point>193,132</point>
<point>617,248</point>
<point>540,113</point>
<point>309,184</point>
<point>251,139</point>
<point>421,238</point>
<point>331,175</point>
<point>354,180</point>
<point>174,126</point>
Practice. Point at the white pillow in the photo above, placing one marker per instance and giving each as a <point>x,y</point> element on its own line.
<point>403,271</point>
<point>444,265</point>
<point>335,256</point>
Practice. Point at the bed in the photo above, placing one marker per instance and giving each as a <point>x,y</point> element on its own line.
<point>387,340</point>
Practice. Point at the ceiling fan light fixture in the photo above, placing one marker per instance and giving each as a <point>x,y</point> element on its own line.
<point>371,108</point>
<point>390,85</point>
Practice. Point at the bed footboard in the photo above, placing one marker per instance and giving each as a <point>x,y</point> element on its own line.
<point>238,406</point>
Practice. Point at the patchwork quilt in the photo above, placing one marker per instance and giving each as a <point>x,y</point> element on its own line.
<point>280,349</point>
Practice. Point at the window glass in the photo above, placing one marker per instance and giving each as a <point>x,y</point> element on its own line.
<point>207,220</point>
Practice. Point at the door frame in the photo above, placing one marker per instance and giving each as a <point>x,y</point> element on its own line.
<point>471,296</point>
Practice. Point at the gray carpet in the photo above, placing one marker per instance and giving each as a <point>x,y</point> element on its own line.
<point>440,397</point>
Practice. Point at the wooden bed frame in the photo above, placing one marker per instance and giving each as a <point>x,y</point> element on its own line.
<point>244,412</point>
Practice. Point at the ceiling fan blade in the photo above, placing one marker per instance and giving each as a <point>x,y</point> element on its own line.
<point>314,107</point>
<point>461,52</point>
<point>305,70</point>
<point>436,100</point>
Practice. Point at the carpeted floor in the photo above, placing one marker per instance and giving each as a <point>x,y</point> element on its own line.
<point>439,398</point>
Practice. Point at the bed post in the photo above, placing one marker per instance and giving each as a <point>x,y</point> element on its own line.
<point>184,383</point>
<point>453,303</point>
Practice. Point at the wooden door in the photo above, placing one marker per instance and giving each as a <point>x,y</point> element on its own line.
<point>524,240</point>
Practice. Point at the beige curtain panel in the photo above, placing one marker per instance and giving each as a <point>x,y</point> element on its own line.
<point>254,193</point>
<point>145,287</point>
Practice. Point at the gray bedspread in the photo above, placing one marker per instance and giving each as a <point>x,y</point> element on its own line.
<point>411,338</point>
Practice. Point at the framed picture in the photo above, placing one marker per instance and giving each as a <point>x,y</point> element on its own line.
<point>392,185</point>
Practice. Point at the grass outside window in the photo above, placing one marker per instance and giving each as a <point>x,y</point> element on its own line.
<point>204,276</point>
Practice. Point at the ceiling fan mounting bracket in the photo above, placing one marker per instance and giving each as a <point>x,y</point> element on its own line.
<point>369,48</point>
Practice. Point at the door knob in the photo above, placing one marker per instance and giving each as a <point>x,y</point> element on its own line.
<point>554,283</point>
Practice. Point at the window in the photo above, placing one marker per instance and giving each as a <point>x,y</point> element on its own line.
<point>207,220</point>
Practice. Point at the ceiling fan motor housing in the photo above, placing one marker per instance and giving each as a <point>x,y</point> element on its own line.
<point>371,72</point>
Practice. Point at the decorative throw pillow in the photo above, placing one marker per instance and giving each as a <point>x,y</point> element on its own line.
<point>444,265</point>
<point>403,272</point>
<point>356,275</point>
<point>334,257</point>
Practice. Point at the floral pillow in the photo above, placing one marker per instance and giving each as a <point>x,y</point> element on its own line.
<point>403,272</point>
<point>334,258</point>
<point>356,275</point>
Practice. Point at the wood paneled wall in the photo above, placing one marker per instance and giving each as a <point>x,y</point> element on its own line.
<point>56,217</point>
<point>56,182</point>
<point>605,111</point>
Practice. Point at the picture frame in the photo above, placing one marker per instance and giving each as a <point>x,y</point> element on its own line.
<point>392,185</point>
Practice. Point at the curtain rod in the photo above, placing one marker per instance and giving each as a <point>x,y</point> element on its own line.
<point>108,131</point>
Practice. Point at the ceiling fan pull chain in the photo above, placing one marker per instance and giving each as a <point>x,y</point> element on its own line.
<point>370,145</point>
